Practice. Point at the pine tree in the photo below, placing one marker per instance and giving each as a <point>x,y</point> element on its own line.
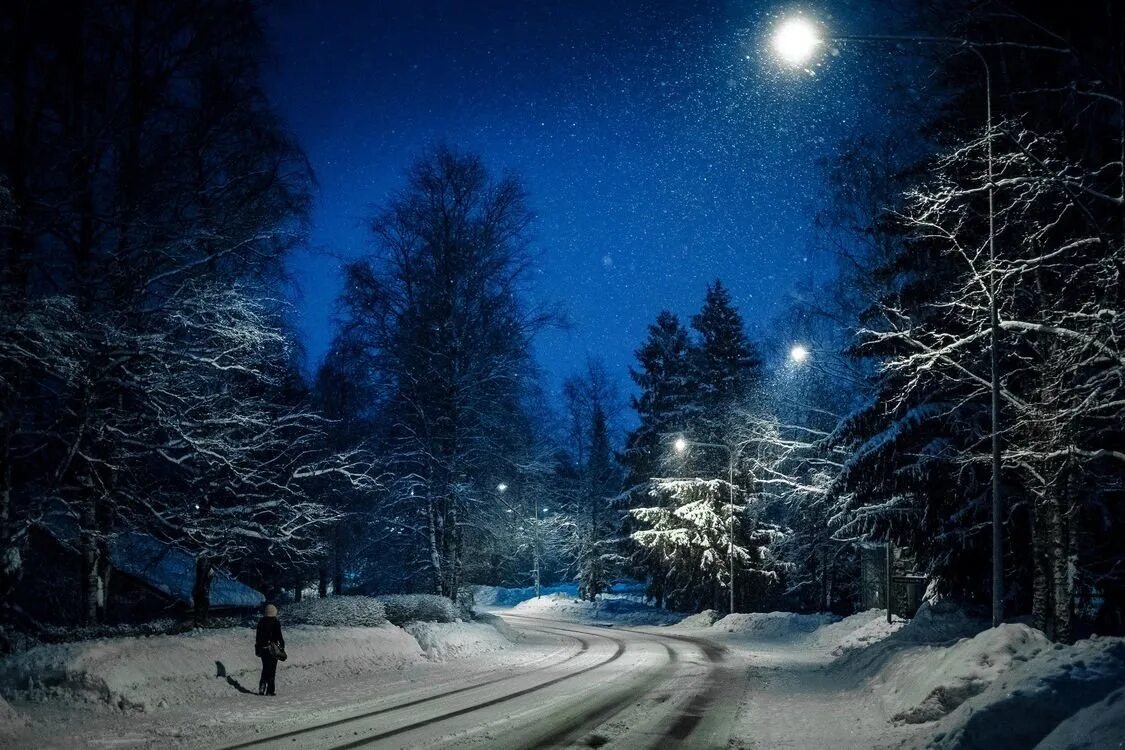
<point>726,365</point>
<point>664,406</point>
<point>665,403</point>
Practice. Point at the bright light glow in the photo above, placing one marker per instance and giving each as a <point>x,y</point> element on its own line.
<point>798,353</point>
<point>501,487</point>
<point>680,445</point>
<point>795,40</point>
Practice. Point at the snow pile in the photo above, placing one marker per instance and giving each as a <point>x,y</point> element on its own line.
<point>923,685</point>
<point>152,672</point>
<point>1028,702</point>
<point>443,641</point>
<point>938,622</point>
<point>704,619</point>
<point>856,632</point>
<point>497,596</point>
<point>1101,725</point>
<point>766,626</point>
<point>403,608</point>
<point>9,719</point>
<point>348,611</point>
<point>623,610</point>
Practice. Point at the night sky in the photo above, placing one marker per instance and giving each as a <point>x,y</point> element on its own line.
<point>660,143</point>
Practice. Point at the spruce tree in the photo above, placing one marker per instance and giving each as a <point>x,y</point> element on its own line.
<point>726,365</point>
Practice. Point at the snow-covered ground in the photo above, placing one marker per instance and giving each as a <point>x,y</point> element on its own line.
<point>556,670</point>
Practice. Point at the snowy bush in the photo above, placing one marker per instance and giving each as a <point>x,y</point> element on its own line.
<point>347,611</point>
<point>404,608</point>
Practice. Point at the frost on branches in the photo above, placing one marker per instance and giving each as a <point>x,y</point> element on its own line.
<point>690,534</point>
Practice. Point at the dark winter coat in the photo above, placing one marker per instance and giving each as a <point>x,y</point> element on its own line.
<point>269,630</point>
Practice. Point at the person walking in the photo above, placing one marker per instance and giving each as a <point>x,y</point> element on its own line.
<point>269,644</point>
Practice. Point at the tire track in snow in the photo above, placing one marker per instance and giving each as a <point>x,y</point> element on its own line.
<point>584,647</point>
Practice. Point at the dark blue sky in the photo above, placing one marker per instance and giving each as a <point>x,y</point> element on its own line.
<point>660,144</point>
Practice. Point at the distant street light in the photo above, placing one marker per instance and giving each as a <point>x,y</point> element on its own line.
<point>798,353</point>
<point>501,487</point>
<point>795,40</point>
<point>681,445</point>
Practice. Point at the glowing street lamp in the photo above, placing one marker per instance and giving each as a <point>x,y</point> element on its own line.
<point>798,354</point>
<point>681,445</point>
<point>501,487</point>
<point>795,41</point>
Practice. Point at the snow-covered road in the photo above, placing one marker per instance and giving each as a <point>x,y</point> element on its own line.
<point>633,688</point>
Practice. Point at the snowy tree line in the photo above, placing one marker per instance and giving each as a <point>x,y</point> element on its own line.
<point>147,378</point>
<point>911,223</point>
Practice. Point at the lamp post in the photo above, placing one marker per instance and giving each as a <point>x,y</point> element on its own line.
<point>795,41</point>
<point>502,488</point>
<point>681,445</point>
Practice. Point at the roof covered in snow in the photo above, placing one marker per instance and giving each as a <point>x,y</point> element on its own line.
<point>172,571</point>
<point>158,565</point>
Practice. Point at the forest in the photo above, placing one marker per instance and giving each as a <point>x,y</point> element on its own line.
<point>152,384</point>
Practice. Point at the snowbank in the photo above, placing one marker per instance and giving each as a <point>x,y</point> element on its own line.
<point>623,610</point>
<point>444,641</point>
<point>497,596</point>
<point>704,619</point>
<point>920,685</point>
<point>1101,725</point>
<point>765,626</point>
<point>9,719</point>
<point>1028,702</point>
<point>157,671</point>
<point>856,632</point>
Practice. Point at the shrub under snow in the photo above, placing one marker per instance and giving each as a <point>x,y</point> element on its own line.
<point>403,608</point>
<point>346,611</point>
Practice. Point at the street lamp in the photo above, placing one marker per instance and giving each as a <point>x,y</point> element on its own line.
<point>795,41</point>
<point>502,488</point>
<point>681,445</point>
<point>798,353</point>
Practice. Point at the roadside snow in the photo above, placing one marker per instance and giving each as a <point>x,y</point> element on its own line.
<point>158,671</point>
<point>609,608</point>
<point>1028,702</point>
<point>773,626</point>
<point>1097,727</point>
<point>443,641</point>
<point>704,619</point>
<point>920,685</point>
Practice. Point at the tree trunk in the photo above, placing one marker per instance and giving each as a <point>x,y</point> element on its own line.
<point>1062,593</point>
<point>88,544</point>
<point>435,547</point>
<point>201,589</point>
<point>1041,589</point>
<point>11,564</point>
<point>322,580</point>
<point>298,586</point>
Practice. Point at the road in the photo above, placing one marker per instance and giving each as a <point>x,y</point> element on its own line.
<point>598,686</point>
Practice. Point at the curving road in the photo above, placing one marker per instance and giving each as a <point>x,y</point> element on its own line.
<point>602,687</point>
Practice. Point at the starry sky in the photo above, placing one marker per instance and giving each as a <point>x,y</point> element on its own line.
<point>661,145</point>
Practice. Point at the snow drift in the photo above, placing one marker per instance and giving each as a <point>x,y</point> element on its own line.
<point>624,610</point>
<point>1043,694</point>
<point>920,685</point>
<point>152,672</point>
